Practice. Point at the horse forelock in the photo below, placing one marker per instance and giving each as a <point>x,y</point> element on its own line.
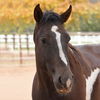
<point>50,17</point>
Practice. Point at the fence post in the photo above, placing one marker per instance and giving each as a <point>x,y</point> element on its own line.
<point>27,43</point>
<point>13,41</point>
<point>6,42</point>
<point>20,47</point>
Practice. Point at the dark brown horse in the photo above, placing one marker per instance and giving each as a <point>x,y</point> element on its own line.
<point>64,72</point>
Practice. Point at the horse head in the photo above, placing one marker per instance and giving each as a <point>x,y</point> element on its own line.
<point>51,47</point>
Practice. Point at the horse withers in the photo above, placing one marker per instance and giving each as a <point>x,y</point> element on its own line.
<point>63,72</point>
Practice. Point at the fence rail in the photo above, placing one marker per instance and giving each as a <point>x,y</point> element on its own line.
<point>85,33</point>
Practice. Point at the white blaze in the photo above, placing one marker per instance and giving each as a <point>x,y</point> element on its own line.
<point>58,39</point>
<point>90,82</point>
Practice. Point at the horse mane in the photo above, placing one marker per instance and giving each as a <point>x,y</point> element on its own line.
<point>74,53</point>
<point>50,17</point>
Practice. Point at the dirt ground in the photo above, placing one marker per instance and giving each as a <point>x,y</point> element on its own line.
<point>16,82</point>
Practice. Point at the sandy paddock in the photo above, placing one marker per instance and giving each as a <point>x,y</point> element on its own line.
<point>16,83</point>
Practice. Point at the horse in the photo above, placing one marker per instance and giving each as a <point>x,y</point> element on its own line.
<point>63,71</point>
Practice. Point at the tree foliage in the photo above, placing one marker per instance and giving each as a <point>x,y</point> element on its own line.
<point>17,15</point>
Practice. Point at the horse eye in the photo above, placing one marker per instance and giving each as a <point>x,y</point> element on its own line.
<point>67,38</point>
<point>43,40</point>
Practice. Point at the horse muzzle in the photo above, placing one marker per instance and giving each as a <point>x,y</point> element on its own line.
<point>64,88</point>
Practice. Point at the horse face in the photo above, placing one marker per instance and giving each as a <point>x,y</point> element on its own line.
<point>51,48</point>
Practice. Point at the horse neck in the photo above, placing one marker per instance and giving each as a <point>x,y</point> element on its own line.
<point>73,59</point>
<point>77,65</point>
<point>78,61</point>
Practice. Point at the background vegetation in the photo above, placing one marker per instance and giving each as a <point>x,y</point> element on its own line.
<point>17,15</point>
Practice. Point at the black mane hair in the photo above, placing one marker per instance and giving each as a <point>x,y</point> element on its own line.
<point>50,17</point>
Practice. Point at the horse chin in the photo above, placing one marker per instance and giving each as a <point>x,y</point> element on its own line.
<point>63,91</point>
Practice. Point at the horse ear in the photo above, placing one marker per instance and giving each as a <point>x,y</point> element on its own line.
<point>38,14</point>
<point>64,16</point>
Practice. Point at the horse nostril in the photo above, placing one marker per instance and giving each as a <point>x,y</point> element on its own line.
<point>59,79</point>
<point>72,76</point>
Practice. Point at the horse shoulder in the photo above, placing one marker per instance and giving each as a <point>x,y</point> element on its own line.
<point>91,53</point>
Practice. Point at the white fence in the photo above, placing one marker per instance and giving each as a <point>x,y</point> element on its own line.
<point>15,42</point>
<point>22,46</point>
<point>85,40</point>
